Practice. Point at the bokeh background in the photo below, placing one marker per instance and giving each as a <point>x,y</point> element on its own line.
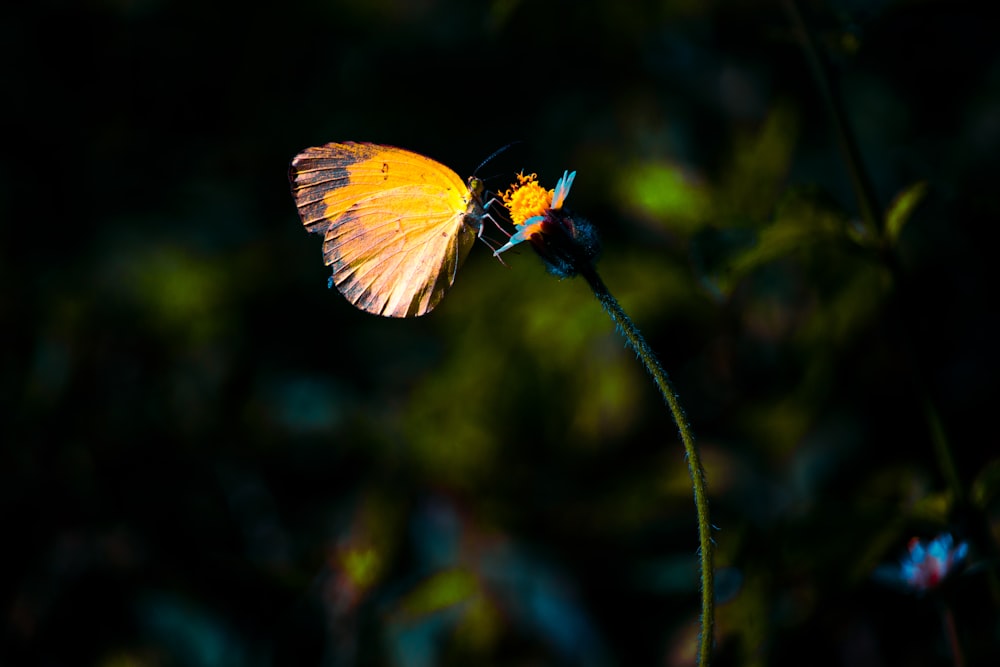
<point>208,458</point>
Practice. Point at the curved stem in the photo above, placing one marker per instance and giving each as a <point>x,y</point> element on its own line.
<point>697,472</point>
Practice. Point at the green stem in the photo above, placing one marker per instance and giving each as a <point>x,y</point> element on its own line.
<point>951,634</point>
<point>946,460</point>
<point>863,190</point>
<point>868,203</point>
<point>697,472</point>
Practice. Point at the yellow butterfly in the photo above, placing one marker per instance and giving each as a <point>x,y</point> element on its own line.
<point>396,225</point>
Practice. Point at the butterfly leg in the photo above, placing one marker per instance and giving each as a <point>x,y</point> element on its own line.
<point>486,215</point>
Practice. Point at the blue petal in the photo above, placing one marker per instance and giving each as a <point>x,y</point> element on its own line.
<point>562,189</point>
<point>522,234</point>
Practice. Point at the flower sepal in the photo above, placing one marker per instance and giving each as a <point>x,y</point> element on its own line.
<point>567,244</point>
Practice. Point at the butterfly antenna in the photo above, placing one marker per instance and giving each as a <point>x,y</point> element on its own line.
<point>494,154</point>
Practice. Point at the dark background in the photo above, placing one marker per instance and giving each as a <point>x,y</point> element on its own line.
<point>210,459</point>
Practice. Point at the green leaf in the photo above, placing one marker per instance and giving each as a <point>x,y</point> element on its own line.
<point>362,566</point>
<point>986,487</point>
<point>441,591</point>
<point>902,208</point>
<point>801,222</point>
<point>753,183</point>
<point>666,193</point>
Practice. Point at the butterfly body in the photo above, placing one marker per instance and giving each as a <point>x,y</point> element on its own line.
<point>396,225</point>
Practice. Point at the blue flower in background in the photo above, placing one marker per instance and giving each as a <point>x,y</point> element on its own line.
<point>926,564</point>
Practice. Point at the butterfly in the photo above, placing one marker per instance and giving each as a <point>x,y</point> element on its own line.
<point>396,225</point>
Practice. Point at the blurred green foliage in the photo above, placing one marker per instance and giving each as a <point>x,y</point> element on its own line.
<point>210,459</point>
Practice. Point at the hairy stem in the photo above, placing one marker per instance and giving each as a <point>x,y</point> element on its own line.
<point>706,548</point>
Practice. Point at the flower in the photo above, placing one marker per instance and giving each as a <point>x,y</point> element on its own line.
<point>926,564</point>
<point>566,243</point>
<point>527,199</point>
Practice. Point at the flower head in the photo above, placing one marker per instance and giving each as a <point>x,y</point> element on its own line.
<point>525,199</point>
<point>926,564</point>
<point>566,243</point>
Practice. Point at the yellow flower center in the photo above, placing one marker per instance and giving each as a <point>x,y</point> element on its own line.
<point>526,199</point>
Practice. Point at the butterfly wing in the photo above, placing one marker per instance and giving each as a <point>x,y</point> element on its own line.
<point>396,225</point>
